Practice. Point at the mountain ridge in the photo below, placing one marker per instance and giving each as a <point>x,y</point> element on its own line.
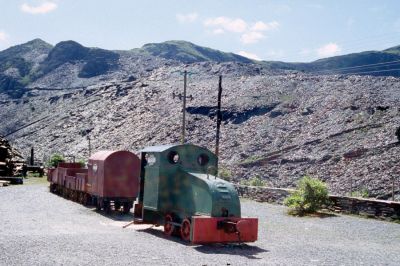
<point>23,65</point>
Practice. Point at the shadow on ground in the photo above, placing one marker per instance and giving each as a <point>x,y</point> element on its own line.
<point>114,215</point>
<point>237,249</point>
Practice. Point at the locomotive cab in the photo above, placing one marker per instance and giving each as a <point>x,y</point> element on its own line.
<point>179,188</point>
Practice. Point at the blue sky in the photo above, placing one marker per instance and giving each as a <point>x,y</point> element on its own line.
<point>269,30</point>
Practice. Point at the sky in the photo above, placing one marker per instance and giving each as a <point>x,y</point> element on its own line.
<point>291,31</point>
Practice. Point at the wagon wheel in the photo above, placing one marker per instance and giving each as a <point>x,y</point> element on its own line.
<point>98,205</point>
<point>107,206</point>
<point>84,199</point>
<point>126,208</point>
<point>185,229</point>
<point>169,228</point>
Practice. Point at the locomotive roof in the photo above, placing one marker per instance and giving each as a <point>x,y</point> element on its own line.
<point>162,148</point>
<point>158,148</point>
<point>101,155</point>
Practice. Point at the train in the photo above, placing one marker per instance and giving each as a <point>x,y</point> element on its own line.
<point>171,185</point>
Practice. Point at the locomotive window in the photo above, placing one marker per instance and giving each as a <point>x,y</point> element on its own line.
<point>151,159</point>
<point>95,168</point>
<point>203,159</point>
<point>173,157</point>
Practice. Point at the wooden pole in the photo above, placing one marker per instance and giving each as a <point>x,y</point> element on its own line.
<point>90,147</point>
<point>219,117</point>
<point>393,187</point>
<point>184,108</point>
<point>32,161</point>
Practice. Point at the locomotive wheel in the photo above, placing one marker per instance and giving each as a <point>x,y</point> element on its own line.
<point>117,206</point>
<point>168,227</point>
<point>185,229</point>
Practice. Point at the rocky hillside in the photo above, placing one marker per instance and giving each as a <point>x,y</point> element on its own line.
<point>276,126</point>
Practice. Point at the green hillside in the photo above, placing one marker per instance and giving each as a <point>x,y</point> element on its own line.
<point>187,52</point>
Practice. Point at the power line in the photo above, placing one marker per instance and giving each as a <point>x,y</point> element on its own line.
<point>360,66</point>
<point>374,71</point>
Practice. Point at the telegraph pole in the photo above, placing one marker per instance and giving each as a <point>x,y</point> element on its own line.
<point>184,107</point>
<point>183,97</point>
<point>219,117</point>
<point>90,147</point>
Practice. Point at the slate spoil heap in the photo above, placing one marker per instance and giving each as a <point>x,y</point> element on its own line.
<point>11,161</point>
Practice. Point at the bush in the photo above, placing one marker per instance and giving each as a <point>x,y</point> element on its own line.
<point>82,162</point>
<point>254,182</point>
<point>55,159</point>
<point>225,174</point>
<point>310,196</point>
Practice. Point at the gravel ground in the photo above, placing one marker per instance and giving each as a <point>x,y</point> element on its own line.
<point>39,228</point>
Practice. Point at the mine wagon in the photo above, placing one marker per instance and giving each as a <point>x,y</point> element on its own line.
<point>111,180</point>
<point>179,189</point>
<point>113,177</point>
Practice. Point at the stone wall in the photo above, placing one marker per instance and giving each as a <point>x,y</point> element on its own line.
<point>263,194</point>
<point>381,209</point>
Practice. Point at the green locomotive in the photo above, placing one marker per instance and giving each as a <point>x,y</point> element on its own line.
<point>180,190</point>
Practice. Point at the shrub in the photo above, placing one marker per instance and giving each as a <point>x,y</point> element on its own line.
<point>55,159</point>
<point>310,196</point>
<point>82,162</point>
<point>225,173</point>
<point>254,181</point>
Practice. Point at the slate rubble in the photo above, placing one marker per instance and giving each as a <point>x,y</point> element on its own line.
<point>279,126</point>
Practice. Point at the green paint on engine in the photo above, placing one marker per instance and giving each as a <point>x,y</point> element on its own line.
<point>181,179</point>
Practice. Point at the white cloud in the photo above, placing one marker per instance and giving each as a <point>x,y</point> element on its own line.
<point>233,25</point>
<point>249,32</point>
<point>3,36</point>
<point>218,31</point>
<point>329,49</point>
<point>261,26</point>
<point>43,8</point>
<point>249,55</point>
<point>187,18</point>
<point>251,37</point>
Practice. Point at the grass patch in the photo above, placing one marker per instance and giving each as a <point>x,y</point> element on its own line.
<point>251,159</point>
<point>36,181</point>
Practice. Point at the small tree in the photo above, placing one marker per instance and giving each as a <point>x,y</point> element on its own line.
<point>55,159</point>
<point>310,196</point>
